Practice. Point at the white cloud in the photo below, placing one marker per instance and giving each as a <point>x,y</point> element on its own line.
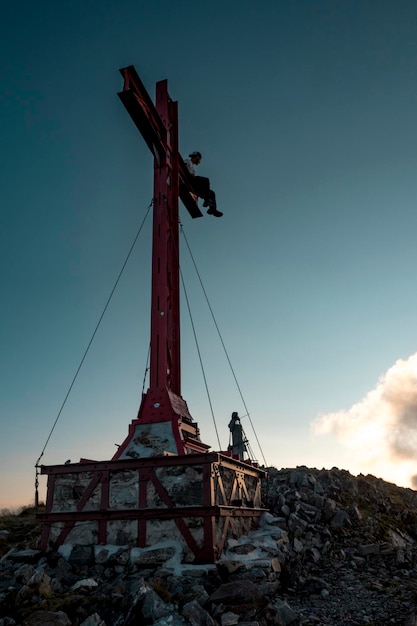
<point>381,429</point>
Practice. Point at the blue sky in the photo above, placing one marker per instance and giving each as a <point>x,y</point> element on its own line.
<point>305,112</point>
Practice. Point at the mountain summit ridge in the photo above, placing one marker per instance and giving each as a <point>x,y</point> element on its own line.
<point>334,549</point>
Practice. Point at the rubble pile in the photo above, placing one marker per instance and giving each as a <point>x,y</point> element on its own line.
<point>334,549</point>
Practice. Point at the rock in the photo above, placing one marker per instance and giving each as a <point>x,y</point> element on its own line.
<point>315,554</point>
<point>228,566</point>
<point>147,607</point>
<point>267,519</point>
<point>41,582</point>
<point>238,596</point>
<point>85,583</point>
<point>298,545</point>
<point>122,557</point>
<point>355,514</point>
<point>296,524</point>
<point>172,620</point>
<point>24,596</point>
<point>309,512</point>
<point>285,510</point>
<point>285,612</point>
<point>25,556</point>
<point>47,618</point>
<point>196,615</point>
<point>329,509</point>
<point>199,594</point>
<point>333,550</point>
<point>24,573</point>
<point>229,619</point>
<point>152,556</point>
<point>340,519</point>
<point>102,556</point>
<point>82,555</point>
<point>372,548</point>
<point>93,620</point>
<point>269,588</point>
<point>244,548</point>
<point>412,619</point>
<point>275,565</point>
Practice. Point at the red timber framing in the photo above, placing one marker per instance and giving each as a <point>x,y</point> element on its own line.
<point>200,500</point>
<point>162,483</point>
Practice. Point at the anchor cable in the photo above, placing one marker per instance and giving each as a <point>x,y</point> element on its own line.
<point>195,335</point>
<point>200,359</point>
<point>224,346</point>
<point>92,336</point>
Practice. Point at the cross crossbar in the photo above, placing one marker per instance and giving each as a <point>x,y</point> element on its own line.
<point>148,121</point>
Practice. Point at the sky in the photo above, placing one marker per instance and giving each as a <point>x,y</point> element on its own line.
<point>305,113</point>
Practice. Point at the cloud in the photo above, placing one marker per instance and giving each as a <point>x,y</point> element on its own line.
<point>382,427</point>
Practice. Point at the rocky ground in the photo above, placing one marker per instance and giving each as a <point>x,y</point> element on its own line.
<point>334,549</point>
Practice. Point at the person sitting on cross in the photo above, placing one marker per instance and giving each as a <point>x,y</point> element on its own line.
<point>201,185</point>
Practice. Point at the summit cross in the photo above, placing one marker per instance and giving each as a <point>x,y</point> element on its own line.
<point>163,404</point>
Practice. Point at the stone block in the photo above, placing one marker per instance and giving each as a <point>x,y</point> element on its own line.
<point>152,557</point>
<point>82,555</point>
<point>196,615</point>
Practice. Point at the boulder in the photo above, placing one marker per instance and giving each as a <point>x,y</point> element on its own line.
<point>238,596</point>
<point>196,615</point>
<point>47,618</point>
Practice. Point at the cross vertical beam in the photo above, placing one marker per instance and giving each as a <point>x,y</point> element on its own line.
<point>164,424</point>
<point>165,318</point>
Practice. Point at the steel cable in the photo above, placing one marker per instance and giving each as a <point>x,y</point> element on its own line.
<point>93,335</point>
<point>223,344</point>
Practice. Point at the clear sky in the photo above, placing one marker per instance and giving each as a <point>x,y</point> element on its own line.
<point>305,112</point>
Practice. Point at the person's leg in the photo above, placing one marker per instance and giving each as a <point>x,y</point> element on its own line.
<point>202,187</point>
<point>212,204</point>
